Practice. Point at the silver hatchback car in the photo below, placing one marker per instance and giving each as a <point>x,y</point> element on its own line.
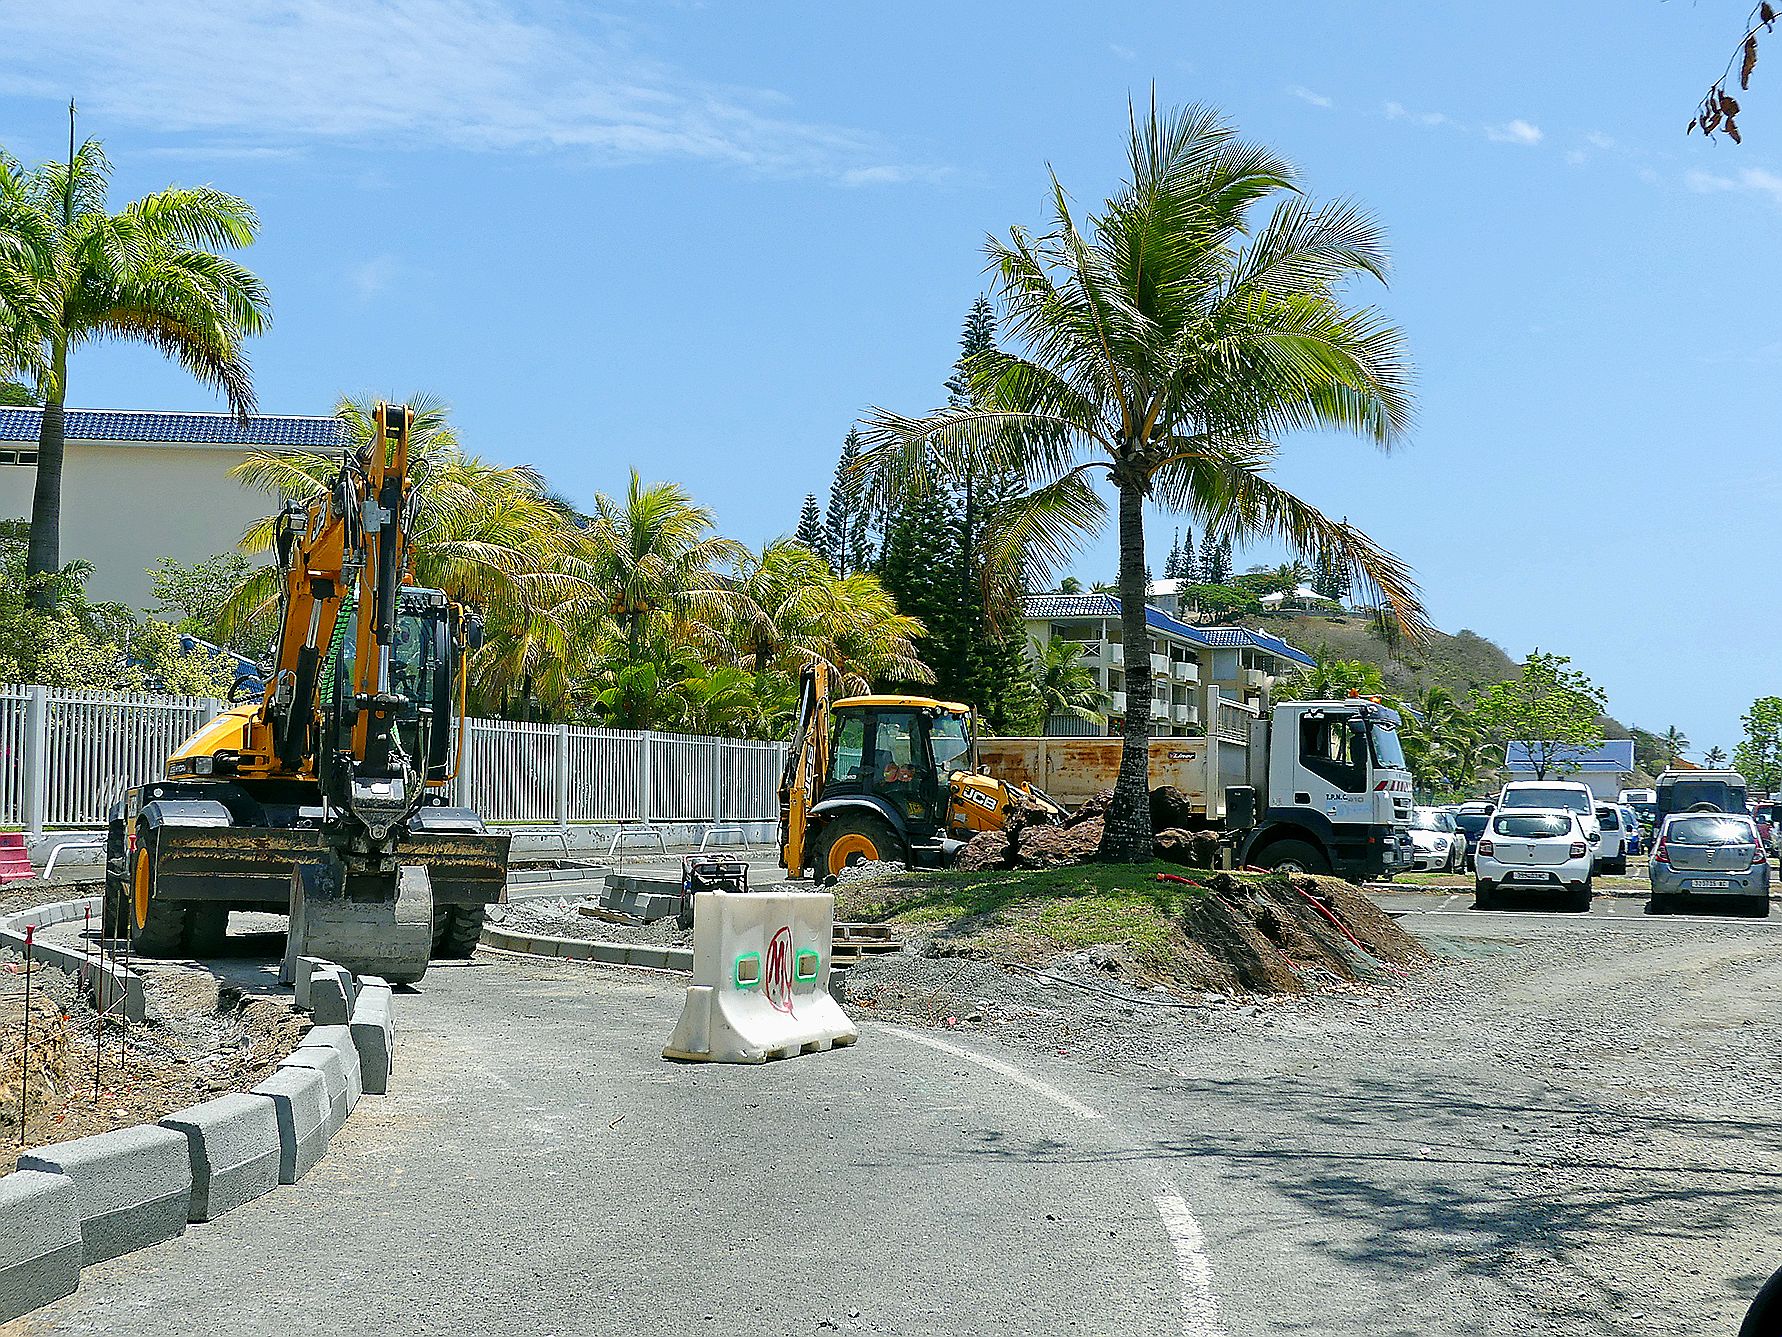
<point>1709,856</point>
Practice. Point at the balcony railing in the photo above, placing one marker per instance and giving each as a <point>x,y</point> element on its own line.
<point>1117,703</point>
<point>1185,670</point>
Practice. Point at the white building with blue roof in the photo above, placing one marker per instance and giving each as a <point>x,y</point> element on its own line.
<point>1189,664</point>
<point>1606,767</point>
<point>139,485</point>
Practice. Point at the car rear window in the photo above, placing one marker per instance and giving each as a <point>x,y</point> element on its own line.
<point>1529,825</point>
<point>1610,819</point>
<point>1710,831</point>
<point>1534,796</point>
<point>1472,822</point>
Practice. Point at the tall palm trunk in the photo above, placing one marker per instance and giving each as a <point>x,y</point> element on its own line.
<point>43,551</point>
<point>1127,836</point>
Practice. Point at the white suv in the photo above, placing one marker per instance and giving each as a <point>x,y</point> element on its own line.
<point>1611,855</point>
<point>1533,849</point>
<point>1565,794</point>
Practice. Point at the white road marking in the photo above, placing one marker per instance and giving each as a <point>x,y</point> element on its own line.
<point>1200,1310</point>
<point>996,1065</point>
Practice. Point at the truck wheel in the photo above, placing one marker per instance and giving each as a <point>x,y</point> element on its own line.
<point>157,927</point>
<point>110,909</point>
<point>852,838</point>
<point>456,931</point>
<point>1292,856</point>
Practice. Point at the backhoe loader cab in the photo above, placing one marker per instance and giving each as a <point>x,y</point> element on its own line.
<point>883,779</point>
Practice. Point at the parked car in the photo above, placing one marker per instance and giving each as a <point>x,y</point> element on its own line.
<point>1611,855</point>
<point>1437,845</point>
<point>1534,849</point>
<point>1710,857</point>
<point>1763,812</point>
<point>1565,794</point>
<point>1472,819</point>
<point>1634,829</point>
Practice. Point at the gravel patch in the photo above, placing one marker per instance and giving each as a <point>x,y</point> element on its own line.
<point>564,917</point>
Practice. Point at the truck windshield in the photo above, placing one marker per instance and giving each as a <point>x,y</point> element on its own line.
<point>951,743</point>
<point>1388,755</point>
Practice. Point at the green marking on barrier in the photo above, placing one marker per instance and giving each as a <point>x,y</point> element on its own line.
<point>806,963</point>
<point>748,970</point>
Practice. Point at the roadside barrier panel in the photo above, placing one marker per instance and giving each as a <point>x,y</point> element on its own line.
<point>760,979</point>
<point>133,1187</point>
<point>233,1145</point>
<point>40,1249</point>
<point>338,1040</point>
<point>327,1062</point>
<point>373,1031</point>
<point>300,1098</point>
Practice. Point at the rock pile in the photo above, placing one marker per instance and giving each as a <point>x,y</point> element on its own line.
<point>1033,840</point>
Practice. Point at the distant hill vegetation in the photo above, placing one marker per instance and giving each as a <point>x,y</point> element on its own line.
<point>1462,662</point>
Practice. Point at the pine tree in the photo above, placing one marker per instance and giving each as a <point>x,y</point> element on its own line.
<point>1190,567</point>
<point>810,527</point>
<point>845,527</point>
<point>1172,565</point>
<point>1216,562</point>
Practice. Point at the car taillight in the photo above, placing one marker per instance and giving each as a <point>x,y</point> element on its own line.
<point>1661,855</point>
<point>1579,849</point>
<point>1487,848</point>
<point>1758,856</point>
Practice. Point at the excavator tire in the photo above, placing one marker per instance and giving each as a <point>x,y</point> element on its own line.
<point>157,927</point>
<point>207,930</point>
<point>456,931</point>
<point>853,837</point>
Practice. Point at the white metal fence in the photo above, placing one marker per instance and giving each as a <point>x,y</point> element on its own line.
<point>67,756</point>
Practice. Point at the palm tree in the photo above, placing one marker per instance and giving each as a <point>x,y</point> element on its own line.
<point>1067,685</point>
<point>488,535</point>
<point>1714,758</point>
<point>74,272</point>
<point>1676,743</point>
<point>1167,343</point>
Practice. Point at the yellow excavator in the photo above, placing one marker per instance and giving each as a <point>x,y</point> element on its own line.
<point>326,799</point>
<point>886,778</point>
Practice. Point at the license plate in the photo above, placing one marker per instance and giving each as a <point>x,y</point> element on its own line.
<point>1528,877</point>
<point>1709,884</point>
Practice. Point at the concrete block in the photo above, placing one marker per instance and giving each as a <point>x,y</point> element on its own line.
<point>300,1098</point>
<point>338,1040</point>
<point>326,1061</point>
<point>133,1187</point>
<point>330,996</point>
<point>233,1144</point>
<point>374,1037</point>
<point>40,1248</point>
<point>302,969</point>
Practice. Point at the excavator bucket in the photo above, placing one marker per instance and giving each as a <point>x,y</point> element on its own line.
<point>372,924</point>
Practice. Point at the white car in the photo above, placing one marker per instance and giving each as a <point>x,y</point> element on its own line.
<point>1437,844</point>
<point>1534,849</point>
<point>1611,855</point>
<point>1559,794</point>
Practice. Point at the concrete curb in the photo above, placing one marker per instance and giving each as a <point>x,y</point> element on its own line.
<point>642,955</point>
<point>39,1241</point>
<point>133,1187</point>
<point>234,1147</point>
<point>646,898</point>
<point>93,1198</point>
<point>112,986</point>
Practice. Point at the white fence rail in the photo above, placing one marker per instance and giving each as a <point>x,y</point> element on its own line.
<point>66,757</point>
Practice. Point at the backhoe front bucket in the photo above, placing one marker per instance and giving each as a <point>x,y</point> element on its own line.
<point>370,924</point>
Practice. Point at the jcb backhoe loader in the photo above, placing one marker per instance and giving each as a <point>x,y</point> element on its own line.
<point>886,778</point>
<point>326,799</point>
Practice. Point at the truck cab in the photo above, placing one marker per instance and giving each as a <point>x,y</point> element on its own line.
<point>1334,790</point>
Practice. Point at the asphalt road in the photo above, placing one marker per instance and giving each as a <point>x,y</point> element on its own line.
<point>1564,1132</point>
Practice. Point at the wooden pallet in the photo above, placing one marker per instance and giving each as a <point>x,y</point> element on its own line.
<point>852,941</point>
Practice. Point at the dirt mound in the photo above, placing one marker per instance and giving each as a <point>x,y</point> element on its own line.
<point>1057,846</point>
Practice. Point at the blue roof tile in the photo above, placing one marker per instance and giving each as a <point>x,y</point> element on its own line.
<point>261,429</point>
<point>1615,756</point>
<point>1106,605</point>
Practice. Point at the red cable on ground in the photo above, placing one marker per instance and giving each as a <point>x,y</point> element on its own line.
<point>1343,929</point>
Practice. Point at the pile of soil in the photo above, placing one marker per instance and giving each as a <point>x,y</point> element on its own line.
<point>202,1038</point>
<point>1032,838</point>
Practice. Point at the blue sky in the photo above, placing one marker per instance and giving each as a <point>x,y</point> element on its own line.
<point>701,238</point>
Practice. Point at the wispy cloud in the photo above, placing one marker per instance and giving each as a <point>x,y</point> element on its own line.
<point>1123,52</point>
<point>1515,132</point>
<point>373,277</point>
<point>1748,180</point>
<point>1305,94</point>
<point>1397,111</point>
<point>492,75</point>
<point>1598,140</point>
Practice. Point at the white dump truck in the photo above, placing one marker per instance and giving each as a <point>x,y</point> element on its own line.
<point>1310,786</point>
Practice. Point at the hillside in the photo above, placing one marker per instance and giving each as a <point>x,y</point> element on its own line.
<point>1462,662</point>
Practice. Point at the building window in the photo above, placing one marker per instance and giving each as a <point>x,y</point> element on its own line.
<point>26,457</point>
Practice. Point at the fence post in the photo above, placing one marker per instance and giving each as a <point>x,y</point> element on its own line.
<point>466,751</point>
<point>560,776</point>
<point>36,759</point>
<point>649,775</point>
<point>720,759</point>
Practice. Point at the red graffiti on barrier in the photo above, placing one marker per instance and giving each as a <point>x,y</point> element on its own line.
<point>776,974</point>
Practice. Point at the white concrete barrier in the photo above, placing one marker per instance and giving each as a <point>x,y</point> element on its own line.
<point>133,1187</point>
<point>234,1148</point>
<point>760,979</point>
<point>39,1241</point>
